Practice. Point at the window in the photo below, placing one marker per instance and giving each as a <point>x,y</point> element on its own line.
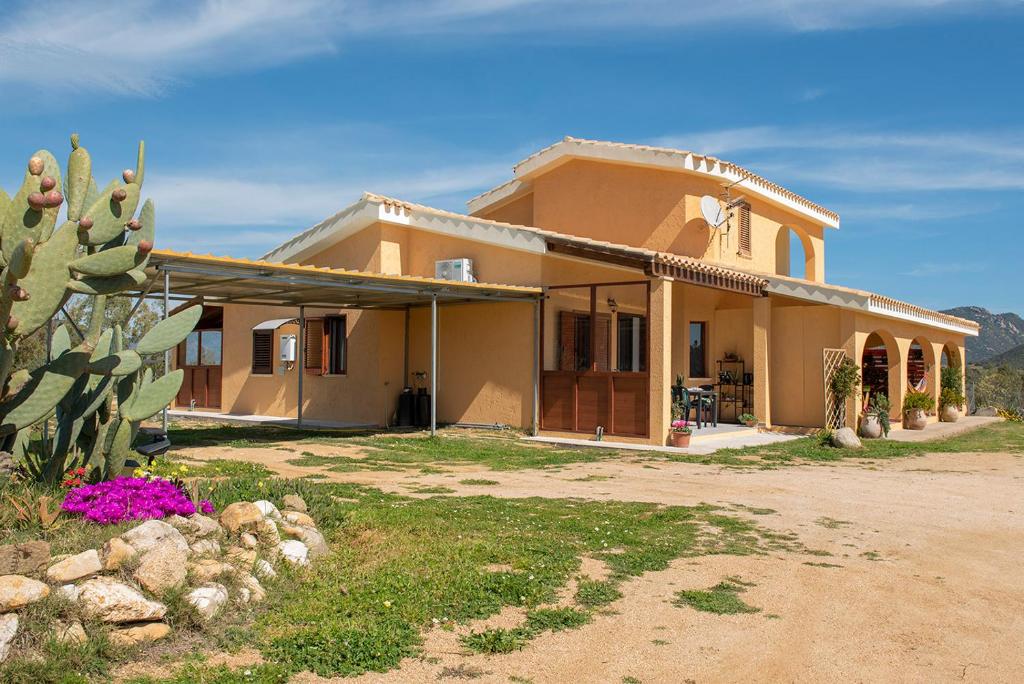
<point>632,339</point>
<point>326,346</point>
<point>575,349</point>
<point>201,348</point>
<point>192,349</point>
<point>698,349</point>
<point>744,238</point>
<point>262,352</point>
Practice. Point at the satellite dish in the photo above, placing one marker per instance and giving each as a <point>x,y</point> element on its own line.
<point>712,211</point>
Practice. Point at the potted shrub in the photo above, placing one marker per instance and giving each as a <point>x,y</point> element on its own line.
<point>951,398</point>
<point>845,384</point>
<point>748,419</point>
<point>915,407</point>
<point>680,436</point>
<point>875,423</point>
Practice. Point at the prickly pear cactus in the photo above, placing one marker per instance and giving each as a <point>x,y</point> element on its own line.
<point>96,390</point>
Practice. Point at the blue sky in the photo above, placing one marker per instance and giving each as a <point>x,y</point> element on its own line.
<point>263,117</point>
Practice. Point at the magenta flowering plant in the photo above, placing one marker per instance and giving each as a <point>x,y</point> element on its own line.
<point>682,425</point>
<point>129,498</point>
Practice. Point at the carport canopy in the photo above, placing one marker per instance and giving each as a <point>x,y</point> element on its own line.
<point>225,280</point>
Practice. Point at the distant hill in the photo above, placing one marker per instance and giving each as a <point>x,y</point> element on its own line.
<point>999,332</point>
<point>1013,358</point>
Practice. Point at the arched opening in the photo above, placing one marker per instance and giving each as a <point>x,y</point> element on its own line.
<point>794,257</point>
<point>921,370</point>
<point>950,356</point>
<point>875,366</point>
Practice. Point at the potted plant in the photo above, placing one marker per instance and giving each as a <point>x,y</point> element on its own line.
<point>915,407</point>
<point>875,423</point>
<point>681,432</point>
<point>951,398</point>
<point>845,384</point>
<point>748,419</point>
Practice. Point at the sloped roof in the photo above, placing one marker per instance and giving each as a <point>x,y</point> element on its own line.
<point>648,155</point>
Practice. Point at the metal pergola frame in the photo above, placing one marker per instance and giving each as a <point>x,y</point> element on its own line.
<point>220,280</point>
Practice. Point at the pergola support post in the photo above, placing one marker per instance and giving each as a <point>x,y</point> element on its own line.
<point>300,362</point>
<point>535,429</point>
<point>433,365</point>
<point>167,354</point>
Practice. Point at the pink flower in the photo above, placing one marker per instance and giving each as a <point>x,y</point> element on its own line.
<point>206,507</point>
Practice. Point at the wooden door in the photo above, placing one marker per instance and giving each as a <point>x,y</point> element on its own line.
<point>199,356</point>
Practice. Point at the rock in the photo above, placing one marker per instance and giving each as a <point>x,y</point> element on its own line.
<point>240,556</point>
<point>154,533</point>
<point>311,537</point>
<point>294,551</point>
<point>294,502</point>
<point>208,569</point>
<point>264,569</point>
<point>17,591</point>
<point>68,592</point>
<point>27,558</point>
<point>249,541</point>
<point>140,634</point>
<point>196,526</point>
<point>267,508</point>
<point>8,466</point>
<point>240,516</point>
<point>116,553</point>
<point>267,532</point>
<point>299,519</point>
<point>250,589</point>
<point>8,630</point>
<point>846,438</point>
<point>111,601</point>
<point>78,566</point>
<point>987,411</point>
<point>208,599</point>
<point>162,568</point>
<point>206,547</point>
<point>71,633</point>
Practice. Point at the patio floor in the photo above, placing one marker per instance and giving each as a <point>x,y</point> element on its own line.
<point>245,419</point>
<point>941,430</point>
<point>707,440</point>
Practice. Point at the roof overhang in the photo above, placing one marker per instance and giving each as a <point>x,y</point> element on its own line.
<point>225,280</point>
<point>652,157</point>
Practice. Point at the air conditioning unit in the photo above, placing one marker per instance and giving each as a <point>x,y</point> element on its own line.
<point>455,269</point>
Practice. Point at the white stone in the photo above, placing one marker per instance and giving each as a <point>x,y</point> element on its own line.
<point>17,591</point>
<point>68,592</point>
<point>76,567</point>
<point>311,537</point>
<point>267,508</point>
<point>8,630</point>
<point>208,599</point>
<point>154,533</point>
<point>206,547</point>
<point>196,526</point>
<point>251,587</point>
<point>846,438</point>
<point>264,569</point>
<point>249,541</point>
<point>111,601</point>
<point>294,551</point>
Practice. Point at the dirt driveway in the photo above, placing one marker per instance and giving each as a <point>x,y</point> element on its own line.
<point>922,579</point>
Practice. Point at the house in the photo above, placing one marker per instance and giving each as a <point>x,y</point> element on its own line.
<point>599,279</point>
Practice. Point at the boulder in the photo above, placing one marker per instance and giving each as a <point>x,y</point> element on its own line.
<point>248,541</point>
<point>298,518</point>
<point>267,532</point>
<point>27,558</point>
<point>208,569</point>
<point>240,517</point>
<point>17,591</point>
<point>208,599</point>
<point>162,568</point>
<point>139,634</point>
<point>108,600</point>
<point>71,633</point>
<point>195,526</point>
<point>311,537</point>
<point>267,508</point>
<point>68,592</point>
<point>250,589</point>
<point>116,553</point>
<point>294,552</point>
<point>76,567</point>
<point>987,411</point>
<point>240,556</point>
<point>154,533</point>
<point>264,569</point>
<point>846,438</point>
<point>294,502</point>
<point>206,547</point>
<point>8,630</point>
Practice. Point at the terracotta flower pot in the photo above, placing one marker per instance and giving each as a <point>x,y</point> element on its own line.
<point>915,420</point>
<point>750,423</point>
<point>870,427</point>
<point>680,439</point>
<point>949,414</point>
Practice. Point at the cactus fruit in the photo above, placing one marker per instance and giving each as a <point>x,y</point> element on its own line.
<point>102,249</point>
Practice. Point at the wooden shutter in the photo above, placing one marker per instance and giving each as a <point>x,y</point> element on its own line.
<point>744,239</point>
<point>566,341</point>
<point>603,343</point>
<point>262,352</point>
<point>314,347</point>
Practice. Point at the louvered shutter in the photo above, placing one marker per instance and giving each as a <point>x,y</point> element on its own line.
<point>566,341</point>
<point>744,215</point>
<point>314,347</point>
<point>262,352</point>
<point>603,342</point>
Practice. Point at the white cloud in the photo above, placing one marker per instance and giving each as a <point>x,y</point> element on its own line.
<point>930,269</point>
<point>142,47</point>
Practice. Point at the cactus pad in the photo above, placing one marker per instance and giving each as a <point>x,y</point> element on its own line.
<point>170,332</point>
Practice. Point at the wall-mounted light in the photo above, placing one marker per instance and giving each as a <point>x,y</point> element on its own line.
<point>612,304</point>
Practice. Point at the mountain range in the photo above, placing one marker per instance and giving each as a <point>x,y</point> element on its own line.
<point>1001,340</point>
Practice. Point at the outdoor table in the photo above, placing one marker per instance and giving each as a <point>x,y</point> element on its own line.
<point>697,397</point>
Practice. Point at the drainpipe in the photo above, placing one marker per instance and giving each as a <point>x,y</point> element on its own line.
<point>299,354</point>
<point>433,364</point>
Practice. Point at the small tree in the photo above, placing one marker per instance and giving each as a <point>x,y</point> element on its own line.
<point>951,384</point>
<point>844,384</point>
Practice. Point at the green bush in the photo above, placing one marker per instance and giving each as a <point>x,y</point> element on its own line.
<point>951,384</point>
<point>918,401</point>
<point>880,407</point>
<point>845,381</point>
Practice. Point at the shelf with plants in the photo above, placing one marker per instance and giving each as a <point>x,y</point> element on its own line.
<point>735,389</point>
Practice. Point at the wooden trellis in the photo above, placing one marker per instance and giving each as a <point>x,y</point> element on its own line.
<point>835,411</point>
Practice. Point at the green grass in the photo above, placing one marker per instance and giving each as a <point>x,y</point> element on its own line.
<point>593,593</point>
<point>721,599</point>
<point>478,482</point>
<point>502,640</point>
